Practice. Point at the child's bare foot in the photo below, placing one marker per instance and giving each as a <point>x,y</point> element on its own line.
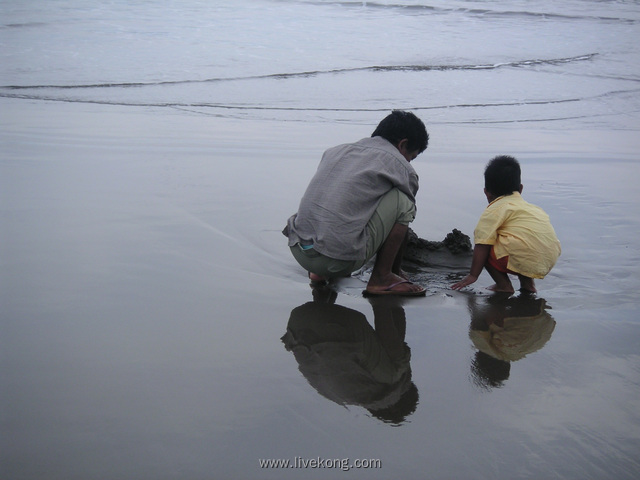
<point>527,284</point>
<point>507,288</point>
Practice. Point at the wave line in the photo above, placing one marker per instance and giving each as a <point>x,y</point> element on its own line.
<point>274,108</point>
<point>482,12</point>
<point>314,73</point>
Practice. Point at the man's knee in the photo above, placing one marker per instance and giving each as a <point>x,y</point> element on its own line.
<point>406,209</point>
<point>396,207</point>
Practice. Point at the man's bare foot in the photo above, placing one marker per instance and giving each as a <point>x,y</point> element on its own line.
<point>401,273</point>
<point>393,284</point>
<point>315,278</point>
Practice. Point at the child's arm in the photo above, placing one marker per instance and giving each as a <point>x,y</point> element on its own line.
<point>480,256</point>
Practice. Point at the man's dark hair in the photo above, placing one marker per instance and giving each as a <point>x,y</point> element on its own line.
<point>502,175</point>
<point>399,125</point>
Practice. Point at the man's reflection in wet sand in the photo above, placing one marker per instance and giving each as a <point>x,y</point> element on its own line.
<point>348,361</point>
<point>505,329</point>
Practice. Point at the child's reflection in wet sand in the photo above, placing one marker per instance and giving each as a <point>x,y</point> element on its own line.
<point>505,329</point>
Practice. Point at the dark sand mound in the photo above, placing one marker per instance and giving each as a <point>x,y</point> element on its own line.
<point>454,250</point>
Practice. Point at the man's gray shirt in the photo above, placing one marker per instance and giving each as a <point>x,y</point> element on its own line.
<point>344,193</point>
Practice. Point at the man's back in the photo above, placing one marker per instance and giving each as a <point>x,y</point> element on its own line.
<point>344,193</point>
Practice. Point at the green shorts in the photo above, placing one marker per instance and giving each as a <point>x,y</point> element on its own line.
<point>394,207</point>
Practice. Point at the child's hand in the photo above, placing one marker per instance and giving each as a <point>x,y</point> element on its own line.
<point>468,280</point>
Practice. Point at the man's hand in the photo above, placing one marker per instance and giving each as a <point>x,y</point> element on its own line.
<point>468,280</point>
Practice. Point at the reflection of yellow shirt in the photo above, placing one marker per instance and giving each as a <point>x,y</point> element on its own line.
<point>523,232</point>
<point>519,337</point>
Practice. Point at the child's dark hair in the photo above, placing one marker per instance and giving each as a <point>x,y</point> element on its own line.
<point>399,125</point>
<point>502,175</point>
<point>488,372</point>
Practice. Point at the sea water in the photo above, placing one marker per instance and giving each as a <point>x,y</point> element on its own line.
<point>571,64</point>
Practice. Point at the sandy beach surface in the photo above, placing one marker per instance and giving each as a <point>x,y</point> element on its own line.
<point>147,295</point>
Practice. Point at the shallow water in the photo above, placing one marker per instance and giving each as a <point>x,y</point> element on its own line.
<point>149,159</point>
<point>570,65</point>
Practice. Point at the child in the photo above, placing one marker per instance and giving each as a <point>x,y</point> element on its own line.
<point>512,236</point>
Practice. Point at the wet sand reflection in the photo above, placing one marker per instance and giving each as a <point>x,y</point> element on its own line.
<point>350,362</point>
<point>505,329</point>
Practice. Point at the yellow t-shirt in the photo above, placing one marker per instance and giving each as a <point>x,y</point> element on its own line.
<point>523,232</point>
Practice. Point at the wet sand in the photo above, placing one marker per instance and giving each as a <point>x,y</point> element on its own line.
<point>147,294</point>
